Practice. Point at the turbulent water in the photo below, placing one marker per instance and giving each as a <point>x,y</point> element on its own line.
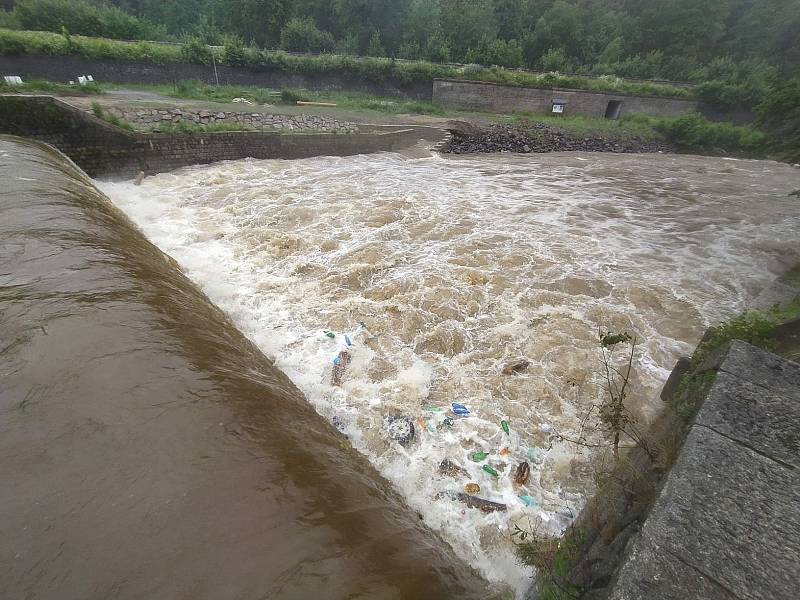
<point>149,450</point>
<point>457,267</point>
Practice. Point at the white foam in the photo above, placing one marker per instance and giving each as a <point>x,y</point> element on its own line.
<point>457,267</point>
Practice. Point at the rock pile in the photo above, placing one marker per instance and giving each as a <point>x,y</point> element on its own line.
<point>539,137</point>
<point>152,119</point>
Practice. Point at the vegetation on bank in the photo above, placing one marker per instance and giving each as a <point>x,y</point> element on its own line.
<point>368,69</point>
<point>586,557</point>
<point>50,87</point>
<point>344,100</point>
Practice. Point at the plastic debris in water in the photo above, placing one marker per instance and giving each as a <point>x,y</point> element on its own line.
<point>528,500</point>
<point>504,425</point>
<point>505,452</point>
<point>447,422</point>
<point>491,471</point>
<point>400,429</point>
<point>478,456</point>
<point>460,409</point>
<point>545,428</point>
<point>516,367</point>
<point>330,334</point>
<point>472,488</point>
<point>522,473</point>
<point>471,501</point>
<point>451,469</point>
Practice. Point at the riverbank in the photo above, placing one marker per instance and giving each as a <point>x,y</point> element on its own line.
<point>633,134</point>
<point>604,554</point>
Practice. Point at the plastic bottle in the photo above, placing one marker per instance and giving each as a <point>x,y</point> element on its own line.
<point>472,488</point>
<point>460,410</point>
<point>478,456</point>
<point>528,500</point>
<point>504,425</point>
<point>491,471</point>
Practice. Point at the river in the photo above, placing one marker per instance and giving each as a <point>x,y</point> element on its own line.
<point>149,450</point>
<point>443,270</point>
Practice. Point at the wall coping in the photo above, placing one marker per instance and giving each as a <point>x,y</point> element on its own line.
<point>571,90</point>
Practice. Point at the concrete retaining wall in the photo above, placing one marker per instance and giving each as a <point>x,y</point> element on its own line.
<point>474,95</point>
<point>101,149</point>
<point>65,68</point>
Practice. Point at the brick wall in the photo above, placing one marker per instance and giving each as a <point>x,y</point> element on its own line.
<point>475,95</point>
<point>101,149</point>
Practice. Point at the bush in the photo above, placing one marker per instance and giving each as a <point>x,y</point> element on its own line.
<point>694,133</point>
<point>83,18</point>
<point>233,54</point>
<point>779,113</point>
<point>366,69</point>
<point>194,51</point>
<point>496,52</point>
<point>726,84</point>
<point>302,35</point>
<point>375,48</point>
<point>290,96</point>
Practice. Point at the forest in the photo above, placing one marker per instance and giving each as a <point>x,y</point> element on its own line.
<point>740,54</point>
<point>664,39</point>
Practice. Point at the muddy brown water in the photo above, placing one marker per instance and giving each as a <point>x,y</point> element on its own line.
<point>149,450</point>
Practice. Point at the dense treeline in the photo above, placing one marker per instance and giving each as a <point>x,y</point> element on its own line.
<point>668,39</point>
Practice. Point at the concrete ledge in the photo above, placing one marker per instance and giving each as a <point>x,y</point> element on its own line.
<point>104,150</point>
<point>726,524</point>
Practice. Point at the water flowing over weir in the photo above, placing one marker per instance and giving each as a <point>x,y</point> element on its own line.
<point>149,450</point>
<point>458,266</point>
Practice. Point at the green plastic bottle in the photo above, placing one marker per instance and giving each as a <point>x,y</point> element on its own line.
<point>491,471</point>
<point>478,456</point>
<point>504,425</point>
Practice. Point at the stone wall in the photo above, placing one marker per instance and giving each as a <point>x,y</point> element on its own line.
<point>153,118</point>
<point>101,149</point>
<point>65,68</point>
<point>473,95</point>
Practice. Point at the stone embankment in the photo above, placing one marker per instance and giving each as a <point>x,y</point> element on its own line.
<point>539,137</point>
<point>152,119</point>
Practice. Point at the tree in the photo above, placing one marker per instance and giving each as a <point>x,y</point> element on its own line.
<point>302,35</point>
<point>466,22</point>
<point>375,48</point>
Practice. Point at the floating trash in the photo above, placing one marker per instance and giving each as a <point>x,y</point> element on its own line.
<point>528,500</point>
<point>505,452</point>
<point>490,471</point>
<point>400,429</point>
<point>545,428</point>
<point>504,425</point>
<point>481,504</point>
<point>522,473</point>
<point>516,367</point>
<point>472,488</point>
<point>478,456</point>
<point>460,410</point>
<point>451,469</point>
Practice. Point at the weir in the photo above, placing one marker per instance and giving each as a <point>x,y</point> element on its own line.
<point>148,449</point>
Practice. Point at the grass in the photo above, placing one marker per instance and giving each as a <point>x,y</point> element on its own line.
<point>356,101</point>
<point>41,86</point>
<point>184,127</point>
<point>580,126</point>
<point>362,68</point>
<point>553,559</point>
<point>111,118</point>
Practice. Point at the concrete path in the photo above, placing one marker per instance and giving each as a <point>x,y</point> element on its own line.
<point>726,525</point>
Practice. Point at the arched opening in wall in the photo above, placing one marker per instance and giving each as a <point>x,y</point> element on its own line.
<point>614,109</point>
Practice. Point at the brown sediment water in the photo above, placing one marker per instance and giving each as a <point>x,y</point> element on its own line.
<point>461,268</point>
<point>149,450</point>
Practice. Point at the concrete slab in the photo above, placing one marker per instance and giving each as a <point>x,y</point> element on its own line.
<point>727,522</point>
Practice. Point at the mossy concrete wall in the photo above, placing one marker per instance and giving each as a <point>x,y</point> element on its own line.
<point>65,68</point>
<point>102,149</point>
<point>475,95</point>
